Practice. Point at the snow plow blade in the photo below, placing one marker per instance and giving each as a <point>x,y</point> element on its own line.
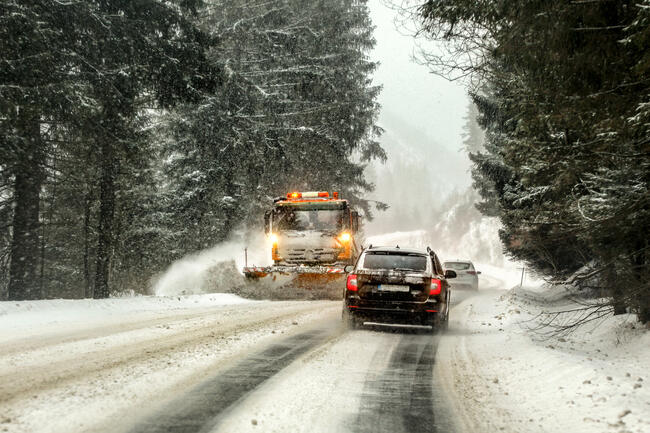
<point>264,271</point>
<point>299,282</point>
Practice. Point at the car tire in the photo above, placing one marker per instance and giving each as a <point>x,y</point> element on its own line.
<point>436,323</point>
<point>349,320</point>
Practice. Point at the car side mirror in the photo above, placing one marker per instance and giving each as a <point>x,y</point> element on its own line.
<point>478,272</point>
<point>450,274</point>
<point>348,269</point>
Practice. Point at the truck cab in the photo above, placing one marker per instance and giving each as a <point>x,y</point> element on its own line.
<point>312,228</point>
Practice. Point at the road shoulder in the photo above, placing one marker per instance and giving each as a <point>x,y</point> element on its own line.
<point>504,376</point>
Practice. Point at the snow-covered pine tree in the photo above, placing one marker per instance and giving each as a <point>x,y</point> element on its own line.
<point>297,111</point>
<point>76,78</point>
<point>566,161</point>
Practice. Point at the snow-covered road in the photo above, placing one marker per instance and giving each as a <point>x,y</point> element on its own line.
<point>220,364</point>
<point>227,364</point>
<point>75,373</point>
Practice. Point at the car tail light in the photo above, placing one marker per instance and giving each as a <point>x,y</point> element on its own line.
<point>471,272</point>
<point>436,286</point>
<point>352,283</point>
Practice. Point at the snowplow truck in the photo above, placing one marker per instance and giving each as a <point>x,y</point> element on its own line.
<point>313,236</point>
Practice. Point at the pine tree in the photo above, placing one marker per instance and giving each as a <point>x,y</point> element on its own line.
<point>89,68</point>
<point>564,89</point>
<point>297,111</point>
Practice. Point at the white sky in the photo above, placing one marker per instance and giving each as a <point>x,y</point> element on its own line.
<point>423,115</point>
<point>410,91</point>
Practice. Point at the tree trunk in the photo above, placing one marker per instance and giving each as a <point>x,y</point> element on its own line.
<point>644,304</point>
<point>641,266</point>
<point>87,287</point>
<point>24,272</point>
<point>44,227</point>
<point>618,295</point>
<point>106,215</point>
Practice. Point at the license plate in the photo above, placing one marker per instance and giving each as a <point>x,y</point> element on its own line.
<point>393,288</point>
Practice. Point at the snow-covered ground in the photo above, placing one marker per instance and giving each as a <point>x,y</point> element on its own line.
<point>508,376</point>
<point>81,365</point>
<point>35,315</point>
<point>100,365</point>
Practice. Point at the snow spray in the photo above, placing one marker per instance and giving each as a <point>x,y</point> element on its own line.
<point>212,270</point>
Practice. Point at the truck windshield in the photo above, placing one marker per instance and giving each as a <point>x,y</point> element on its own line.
<point>293,218</point>
<point>395,261</point>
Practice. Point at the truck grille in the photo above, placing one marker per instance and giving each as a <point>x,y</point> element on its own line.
<point>304,255</point>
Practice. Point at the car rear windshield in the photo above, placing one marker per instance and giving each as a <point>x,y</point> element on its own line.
<point>395,261</point>
<point>457,266</point>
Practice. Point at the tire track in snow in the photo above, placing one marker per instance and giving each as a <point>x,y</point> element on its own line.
<point>48,338</point>
<point>202,409</point>
<point>18,382</point>
<point>401,398</point>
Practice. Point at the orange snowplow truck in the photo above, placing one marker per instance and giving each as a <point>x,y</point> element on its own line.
<point>310,234</point>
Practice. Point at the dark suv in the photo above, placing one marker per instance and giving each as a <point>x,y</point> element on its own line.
<point>392,285</point>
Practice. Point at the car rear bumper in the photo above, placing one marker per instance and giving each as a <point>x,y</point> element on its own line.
<point>394,312</point>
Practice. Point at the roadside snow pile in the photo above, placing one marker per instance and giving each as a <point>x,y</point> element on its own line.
<point>410,239</point>
<point>479,242</point>
<point>511,375</point>
<point>26,314</point>
<point>508,275</point>
<point>463,230</point>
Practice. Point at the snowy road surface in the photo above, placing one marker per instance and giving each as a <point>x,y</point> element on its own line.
<point>217,363</point>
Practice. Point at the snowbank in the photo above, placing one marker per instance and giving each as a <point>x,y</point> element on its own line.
<point>479,243</point>
<point>513,376</point>
<point>505,274</point>
<point>32,314</point>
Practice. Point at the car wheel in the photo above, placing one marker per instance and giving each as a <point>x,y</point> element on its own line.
<point>435,322</point>
<point>349,320</point>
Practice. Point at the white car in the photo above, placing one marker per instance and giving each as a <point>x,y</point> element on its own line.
<point>467,275</point>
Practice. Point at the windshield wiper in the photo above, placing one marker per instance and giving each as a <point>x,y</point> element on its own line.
<point>404,269</point>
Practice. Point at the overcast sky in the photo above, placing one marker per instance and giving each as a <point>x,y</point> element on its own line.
<point>423,115</point>
<point>435,105</point>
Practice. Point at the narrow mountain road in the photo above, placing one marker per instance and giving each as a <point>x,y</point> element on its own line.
<point>258,366</point>
<point>325,378</point>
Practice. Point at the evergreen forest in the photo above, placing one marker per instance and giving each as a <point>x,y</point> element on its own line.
<point>135,132</point>
<point>563,93</point>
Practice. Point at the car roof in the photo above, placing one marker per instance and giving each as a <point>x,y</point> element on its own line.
<point>398,250</point>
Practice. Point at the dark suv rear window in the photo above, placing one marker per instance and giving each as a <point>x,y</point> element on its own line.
<point>391,260</point>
